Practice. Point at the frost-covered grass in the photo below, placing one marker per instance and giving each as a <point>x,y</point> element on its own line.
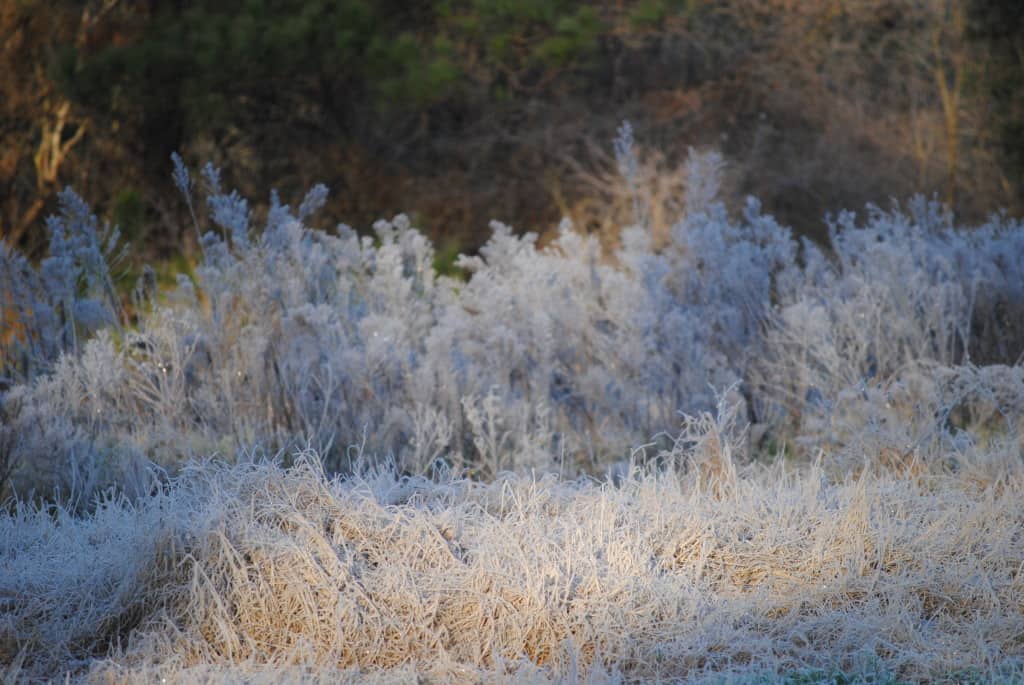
<point>728,455</point>
<point>717,572</point>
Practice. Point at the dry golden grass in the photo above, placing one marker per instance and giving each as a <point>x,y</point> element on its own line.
<point>257,573</point>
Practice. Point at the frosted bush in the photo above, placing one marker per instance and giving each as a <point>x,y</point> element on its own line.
<point>560,358</point>
<point>47,311</point>
<point>302,336</point>
<point>893,299</point>
<point>549,332</point>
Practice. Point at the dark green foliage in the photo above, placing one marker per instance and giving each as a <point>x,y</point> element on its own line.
<point>445,260</point>
<point>129,214</point>
<point>204,56</point>
<point>652,13</point>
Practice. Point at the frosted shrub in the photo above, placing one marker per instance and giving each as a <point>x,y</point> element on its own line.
<point>895,298</point>
<point>302,337</point>
<point>47,311</point>
<point>551,333</point>
<point>319,333</point>
<point>601,356</point>
<point>44,313</point>
<point>710,291</point>
<point>547,359</point>
<point>310,335</point>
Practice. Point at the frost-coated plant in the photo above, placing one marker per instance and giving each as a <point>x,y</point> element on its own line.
<point>552,333</point>
<point>559,358</point>
<point>718,572</point>
<point>894,299</point>
<point>48,310</point>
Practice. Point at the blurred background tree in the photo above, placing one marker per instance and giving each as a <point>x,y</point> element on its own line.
<point>459,111</point>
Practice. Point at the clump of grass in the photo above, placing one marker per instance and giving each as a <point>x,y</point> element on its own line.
<point>708,568</point>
